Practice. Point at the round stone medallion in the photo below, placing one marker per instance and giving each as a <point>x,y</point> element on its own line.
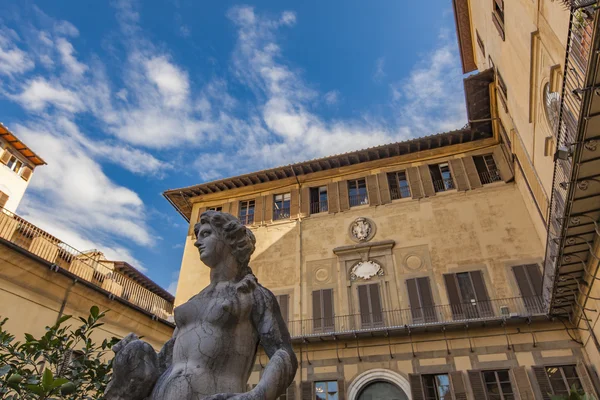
<point>413,262</point>
<point>321,274</point>
<point>362,229</point>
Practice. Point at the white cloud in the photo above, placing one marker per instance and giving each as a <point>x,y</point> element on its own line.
<point>379,73</point>
<point>39,93</point>
<point>288,18</point>
<point>332,97</point>
<point>172,82</point>
<point>13,60</point>
<point>66,51</point>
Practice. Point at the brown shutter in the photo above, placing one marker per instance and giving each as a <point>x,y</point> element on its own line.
<point>500,4</point>
<point>344,202</point>
<point>268,207</point>
<point>291,392</point>
<point>412,174</point>
<point>316,306</point>
<point>459,174</point>
<point>307,390</point>
<point>305,201</point>
<point>363,304</point>
<point>584,378</point>
<point>384,188</point>
<point>376,308</point>
<point>521,381</point>
<point>284,301</point>
<point>503,167</point>
<point>454,296</point>
<point>3,199</point>
<point>458,385</point>
<point>332,198</point>
<point>535,277</point>
<point>26,173</point>
<point>227,207</point>
<point>341,389</point>
<point>5,157</point>
<point>477,385</point>
<point>543,382</point>
<point>416,386</point>
<point>294,203</point>
<point>328,311</point>
<point>479,286</point>
<point>427,299</point>
<point>426,180</point>
<point>413,298</point>
<point>258,210</point>
<point>472,174</point>
<point>522,281</point>
<point>234,208</point>
<point>372,190</point>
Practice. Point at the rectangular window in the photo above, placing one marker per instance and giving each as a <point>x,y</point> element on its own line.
<point>247,212</point>
<point>216,208</point>
<point>284,306</point>
<point>369,301</point>
<point>357,192</point>
<point>497,385</point>
<point>498,16</point>
<point>468,295</point>
<point>529,280</point>
<point>487,169</point>
<point>3,199</point>
<point>281,206</point>
<point>318,200</point>
<point>503,90</point>
<point>442,177</point>
<point>421,300</point>
<point>437,387</point>
<point>14,164</point>
<point>480,43</point>
<point>398,184</point>
<point>563,378</point>
<point>326,390</point>
<point>323,310</point>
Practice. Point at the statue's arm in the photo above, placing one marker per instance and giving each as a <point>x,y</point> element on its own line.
<point>275,339</point>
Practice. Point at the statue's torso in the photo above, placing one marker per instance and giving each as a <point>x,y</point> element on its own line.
<point>215,347</point>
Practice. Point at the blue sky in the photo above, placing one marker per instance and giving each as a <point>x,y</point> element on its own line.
<point>126,99</point>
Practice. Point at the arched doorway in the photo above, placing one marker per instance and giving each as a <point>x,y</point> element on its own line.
<point>381,390</point>
<point>379,383</point>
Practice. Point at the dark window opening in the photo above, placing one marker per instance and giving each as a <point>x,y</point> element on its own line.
<point>480,43</point>
<point>281,206</point>
<point>498,16</point>
<point>437,387</point>
<point>420,297</point>
<point>497,385</point>
<point>399,188</point>
<point>323,310</point>
<point>468,295</point>
<point>369,301</point>
<point>247,212</point>
<point>216,208</point>
<point>357,192</point>
<point>487,169</point>
<point>529,280</point>
<point>563,378</point>
<point>318,200</point>
<point>442,177</point>
<point>326,390</point>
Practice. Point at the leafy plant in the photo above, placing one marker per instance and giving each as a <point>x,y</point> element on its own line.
<point>575,394</point>
<point>64,363</point>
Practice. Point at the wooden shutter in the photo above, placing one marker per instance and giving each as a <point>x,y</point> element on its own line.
<point>535,277</point>
<point>500,4</point>
<point>521,381</point>
<point>543,382</point>
<point>234,208</point>
<point>268,207</point>
<point>503,167</point>
<point>413,298</point>
<point>376,308</point>
<point>416,386</point>
<point>523,281</point>
<point>284,301</point>
<point>372,190</point>
<point>479,286</point>
<point>328,312</point>
<point>332,198</point>
<point>472,174</point>
<point>426,299</point>
<point>305,201</point>
<point>426,180</point>
<point>584,378</point>
<point>4,200</point>
<point>294,203</point>
<point>412,174</point>
<point>343,190</point>
<point>477,385</point>
<point>290,393</point>
<point>317,307</point>
<point>454,296</point>
<point>26,173</point>
<point>307,390</point>
<point>227,207</point>
<point>458,385</point>
<point>363,305</point>
<point>258,210</point>
<point>459,174</point>
<point>384,188</point>
<point>341,389</point>
<point>5,157</point>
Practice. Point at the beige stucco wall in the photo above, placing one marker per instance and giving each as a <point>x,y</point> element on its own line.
<point>13,185</point>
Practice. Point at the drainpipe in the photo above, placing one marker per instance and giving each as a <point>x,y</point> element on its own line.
<point>64,302</point>
<point>300,255</point>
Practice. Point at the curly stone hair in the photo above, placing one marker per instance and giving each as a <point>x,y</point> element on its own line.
<point>236,235</point>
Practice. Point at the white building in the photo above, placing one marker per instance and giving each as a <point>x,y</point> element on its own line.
<point>17,162</point>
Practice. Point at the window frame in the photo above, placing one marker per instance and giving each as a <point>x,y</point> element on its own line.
<point>319,206</point>
<point>498,17</point>
<point>327,396</point>
<point>480,43</point>
<point>435,386</point>
<point>498,383</point>
<point>443,184</point>
<point>358,199</point>
<point>215,208</point>
<point>563,377</point>
<point>247,218</point>
<point>14,164</point>
<point>489,175</point>
<point>280,210</point>
<point>398,191</point>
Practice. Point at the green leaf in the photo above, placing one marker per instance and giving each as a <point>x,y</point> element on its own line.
<point>37,389</point>
<point>5,369</point>
<point>59,382</point>
<point>47,379</point>
<point>94,311</point>
<point>63,319</point>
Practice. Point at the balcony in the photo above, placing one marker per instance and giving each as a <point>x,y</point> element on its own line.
<point>443,184</point>
<point>499,310</point>
<point>489,177</point>
<point>87,266</point>
<point>318,207</point>
<point>402,193</point>
<point>281,213</point>
<point>358,200</point>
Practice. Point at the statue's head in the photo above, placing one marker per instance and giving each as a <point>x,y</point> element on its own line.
<point>218,233</point>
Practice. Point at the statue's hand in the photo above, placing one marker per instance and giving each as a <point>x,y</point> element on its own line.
<point>254,394</point>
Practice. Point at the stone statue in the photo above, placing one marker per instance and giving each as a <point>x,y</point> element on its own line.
<point>213,349</point>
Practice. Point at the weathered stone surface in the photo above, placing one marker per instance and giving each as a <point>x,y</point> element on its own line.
<point>214,346</point>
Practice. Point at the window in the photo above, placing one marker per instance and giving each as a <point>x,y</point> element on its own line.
<point>215,208</point>
<point>398,183</point>
<point>323,310</point>
<point>247,212</point>
<point>497,385</point>
<point>3,199</point>
<point>437,387</point>
<point>529,280</point>
<point>468,295</point>
<point>563,378</point>
<point>487,169</point>
<point>503,90</point>
<point>421,300</point>
<point>498,16</point>
<point>281,206</point>
<point>318,200</point>
<point>284,306</point>
<point>442,177</point>
<point>369,301</point>
<point>357,192</point>
<point>326,390</point>
<point>14,164</point>
<point>552,108</point>
<point>480,43</point>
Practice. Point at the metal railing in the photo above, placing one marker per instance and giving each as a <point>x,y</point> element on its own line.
<point>498,309</point>
<point>579,48</point>
<point>86,266</point>
<point>443,184</point>
<point>402,193</point>
<point>319,207</point>
<point>489,177</point>
<point>358,200</point>
<point>281,213</point>
<point>246,219</point>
